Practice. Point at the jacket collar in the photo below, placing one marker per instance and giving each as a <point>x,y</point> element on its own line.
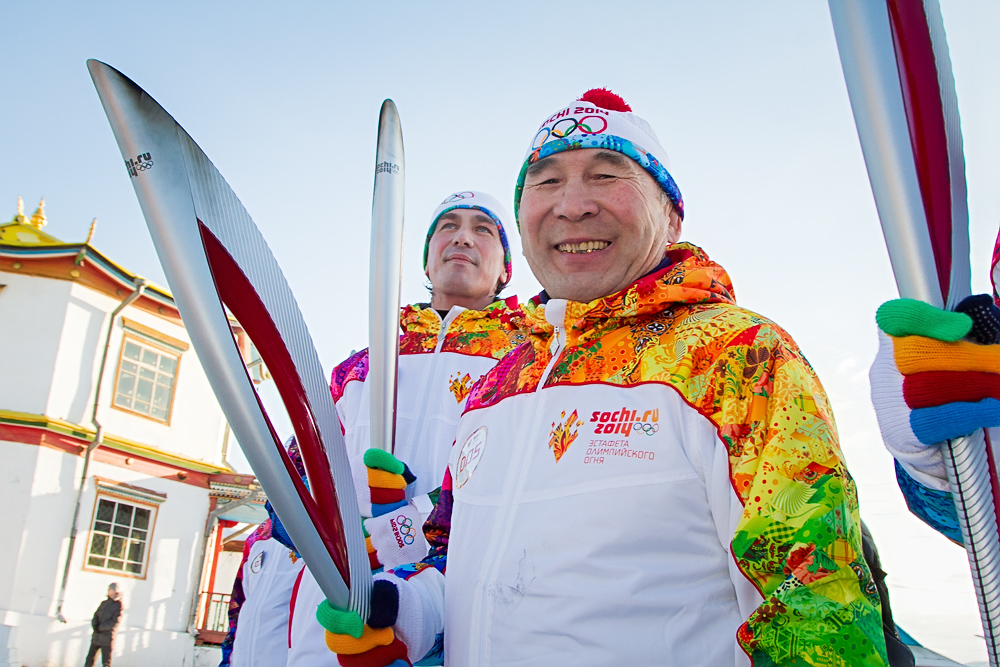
<point>421,318</point>
<point>687,276</point>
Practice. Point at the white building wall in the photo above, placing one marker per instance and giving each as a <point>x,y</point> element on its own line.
<point>32,311</point>
<point>196,420</point>
<point>78,356</point>
<point>16,478</point>
<point>56,332</point>
<point>153,629</point>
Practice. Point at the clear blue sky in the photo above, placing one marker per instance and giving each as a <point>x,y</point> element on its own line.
<point>747,98</point>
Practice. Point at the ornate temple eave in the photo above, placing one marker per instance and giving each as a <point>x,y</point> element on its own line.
<point>84,264</point>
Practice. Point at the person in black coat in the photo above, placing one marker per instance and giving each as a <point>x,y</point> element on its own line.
<point>104,621</point>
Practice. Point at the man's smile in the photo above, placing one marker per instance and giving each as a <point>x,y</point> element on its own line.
<point>580,247</point>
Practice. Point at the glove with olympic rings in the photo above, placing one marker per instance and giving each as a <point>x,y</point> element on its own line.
<point>936,377</point>
<point>395,538</point>
<point>380,480</point>
<point>371,644</point>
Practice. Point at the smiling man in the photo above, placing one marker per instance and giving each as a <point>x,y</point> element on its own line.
<point>654,477</point>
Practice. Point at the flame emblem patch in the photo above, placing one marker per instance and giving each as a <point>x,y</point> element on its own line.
<point>460,386</point>
<point>564,433</point>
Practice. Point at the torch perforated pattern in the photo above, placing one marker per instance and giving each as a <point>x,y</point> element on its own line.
<point>224,215</point>
<point>965,460</point>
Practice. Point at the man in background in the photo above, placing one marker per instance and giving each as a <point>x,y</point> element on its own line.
<point>104,622</point>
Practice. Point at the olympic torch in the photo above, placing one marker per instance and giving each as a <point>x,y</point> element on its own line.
<point>384,277</point>
<point>899,78</point>
<point>213,254</point>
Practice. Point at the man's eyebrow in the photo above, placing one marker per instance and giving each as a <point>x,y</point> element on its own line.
<point>538,167</point>
<point>453,215</point>
<point>608,157</point>
<point>612,158</point>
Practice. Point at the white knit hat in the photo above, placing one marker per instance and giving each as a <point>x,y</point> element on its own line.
<point>482,202</point>
<point>601,119</point>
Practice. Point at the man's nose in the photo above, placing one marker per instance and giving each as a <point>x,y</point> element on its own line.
<point>575,202</point>
<point>463,237</point>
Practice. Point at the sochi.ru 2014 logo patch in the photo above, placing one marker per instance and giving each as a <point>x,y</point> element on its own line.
<point>628,430</point>
<point>140,162</point>
<point>469,457</point>
<point>626,422</point>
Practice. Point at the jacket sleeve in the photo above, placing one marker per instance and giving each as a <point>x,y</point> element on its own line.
<point>934,507</point>
<point>920,470</point>
<point>797,536</point>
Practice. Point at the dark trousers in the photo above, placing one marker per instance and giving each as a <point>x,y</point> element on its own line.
<point>105,654</point>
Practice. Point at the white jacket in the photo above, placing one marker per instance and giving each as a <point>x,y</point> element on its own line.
<point>268,576</point>
<point>436,371</point>
<point>616,553</point>
<point>439,362</point>
<point>653,480</point>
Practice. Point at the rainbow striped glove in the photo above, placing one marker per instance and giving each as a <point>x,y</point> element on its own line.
<point>359,644</point>
<point>936,377</point>
<point>380,480</point>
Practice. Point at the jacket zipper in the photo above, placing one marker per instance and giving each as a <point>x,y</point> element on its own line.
<point>555,349</point>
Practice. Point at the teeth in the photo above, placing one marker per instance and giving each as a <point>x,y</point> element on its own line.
<point>585,247</point>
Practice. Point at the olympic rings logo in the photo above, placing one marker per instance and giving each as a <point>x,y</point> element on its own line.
<point>143,166</point>
<point>567,126</point>
<point>458,196</point>
<point>406,528</point>
<point>648,429</point>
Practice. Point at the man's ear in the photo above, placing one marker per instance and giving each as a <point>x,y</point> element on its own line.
<point>673,226</point>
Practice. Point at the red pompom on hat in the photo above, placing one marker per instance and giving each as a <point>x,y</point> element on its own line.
<point>605,99</point>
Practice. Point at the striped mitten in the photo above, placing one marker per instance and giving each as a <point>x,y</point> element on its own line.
<point>936,377</point>
<point>371,644</point>
<point>380,480</point>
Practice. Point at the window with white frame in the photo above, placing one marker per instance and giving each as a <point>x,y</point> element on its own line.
<point>146,379</point>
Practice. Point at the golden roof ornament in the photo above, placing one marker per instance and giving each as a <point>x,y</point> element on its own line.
<point>38,219</point>
<point>19,216</point>
<point>90,234</point>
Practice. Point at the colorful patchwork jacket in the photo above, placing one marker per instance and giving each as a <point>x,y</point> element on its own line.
<point>652,478</point>
<point>439,361</point>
